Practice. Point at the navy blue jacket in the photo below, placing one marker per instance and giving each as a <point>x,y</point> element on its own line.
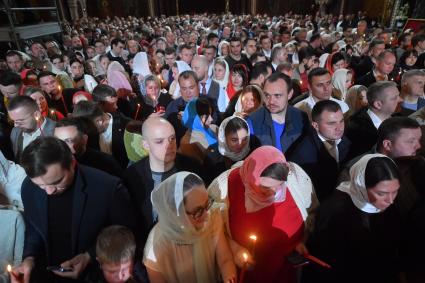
<point>296,125</point>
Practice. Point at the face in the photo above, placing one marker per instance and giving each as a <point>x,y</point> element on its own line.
<point>9,91</point>
<point>235,48</point>
<point>133,47</point>
<point>14,63</point>
<point>58,63</point>
<point>206,120</point>
<point>90,53</point>
<point>117,272</point>
<point>75,141</point>
<point>251,47</point>
<point>249,103</point>
<point>186,55</point>
<point>118,48</point>
<point>321,87</point>
<point>161,143</point>
<point>100,48</point>
<point>266,44</point>
<point>386,65</point>
<point>390,101</point>
<point>276,96</point>
<point>152,89</point>
<point>110,104</point>
<point>48,84</point>
<point>330,125</point>
<point>237,80</point>
<point>224,50</point>
<point>348,80</point>
<point>38,50</point>
<point>415,85</point>
<point>76,43</point>
<point>210,54</point>
<point>282,56</point>
<point>104,63</point>
<point>200,69</point>
<point>56,180</point>
<point>362,100</point>
<point>197,203</point>
<point>170,59</point>
<point>270,186</point>
<point>382,195</point>
<point>41,101</point>
<point>189,89</point>
<point>285,38</point>
<point>338,65</point>
<point>77,70</point>
<point>377,49</point>
<point>24,119</point>
<point>219,72</point>
<point>406,143</point>
<point>411,60</point>
<point>236,141</point>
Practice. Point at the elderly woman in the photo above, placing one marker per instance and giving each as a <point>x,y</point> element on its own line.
<point>272,199</point>
<point>188,244</point>
<point>357,231</point>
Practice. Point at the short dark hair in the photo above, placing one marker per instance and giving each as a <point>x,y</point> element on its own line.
<point>204,106</point>
<point>187,75</point>
<point>22,101</point>
<point>102,91</point>
<point>45,151</point>
<point>235,38</point>
<point>316,72</point>
<point>305,53</point>
<point>43,74</point>
<point>12,53</point>
<point>322,106</point>
<point>234,125</point>
<point>259,68</point>
<point>380,169</point>
<point>77,122</point>
<point>280,76</point>
<point>10,78</point>
<point>375,90</point>
<point>375,42</point>
<point>211,47</point>
<point>89,109</point>
<point>117,40</point>
<point>391,127</point>
<point>184,46</point>
<point>277,171</point>
<point>170,50</point>
<point>417,38</point>
<point>56,56</point>
<point>254,57</point>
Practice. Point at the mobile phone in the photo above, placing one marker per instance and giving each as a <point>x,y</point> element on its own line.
<point>297,259</point>
<point>58,268</point>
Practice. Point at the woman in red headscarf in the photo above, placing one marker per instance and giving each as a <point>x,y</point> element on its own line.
<point>273,200</point>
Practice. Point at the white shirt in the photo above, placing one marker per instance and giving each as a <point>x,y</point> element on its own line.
<point>29,137</point>
<point>105,139</point>
<point>375,119</point>
<point>328,146</point>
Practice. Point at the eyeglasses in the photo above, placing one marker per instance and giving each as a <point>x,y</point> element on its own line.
<point>197,214</point>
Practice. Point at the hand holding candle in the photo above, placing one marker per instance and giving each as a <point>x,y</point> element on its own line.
<point>253,239</point>
<point>39,124</point>
<point>137,111</point>
<point>242,275</point>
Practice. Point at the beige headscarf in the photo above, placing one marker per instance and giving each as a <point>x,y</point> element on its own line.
<point>338,82</point>
<point>174,229</point>
<point>356,187</point>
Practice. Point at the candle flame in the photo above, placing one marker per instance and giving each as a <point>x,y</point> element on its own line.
<point>59,87</point>
<point>9,268</point>
<point>138,104</point>
<point>245,257</point>
<point>253,237</point>
<point>52,111</point>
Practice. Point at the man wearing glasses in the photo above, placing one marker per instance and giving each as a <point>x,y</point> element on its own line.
<point>276,123</point>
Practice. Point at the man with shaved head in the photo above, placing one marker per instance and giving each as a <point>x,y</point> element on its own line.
<point>207,86</point>
<point>159,139</point>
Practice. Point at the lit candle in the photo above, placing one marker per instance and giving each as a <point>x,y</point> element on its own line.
<point>301,82</point>
<point>9,268</point>
<point>59,88</point>
<point>253,239</point>
<point>137,111</point>
<point>245,260</point>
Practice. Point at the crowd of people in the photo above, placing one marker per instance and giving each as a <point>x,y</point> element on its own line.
<point>214,148</point>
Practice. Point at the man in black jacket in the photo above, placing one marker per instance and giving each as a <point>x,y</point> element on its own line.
<point>160,139</point>
<point>66,206</point>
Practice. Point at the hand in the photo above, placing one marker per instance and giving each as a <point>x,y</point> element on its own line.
<point>301,249</point>
<point>77,263</point>
<point>240,260</point>
<point>22,273</point>
<point>180,115</point>
<point>230,279</point>
<point>157,114</point>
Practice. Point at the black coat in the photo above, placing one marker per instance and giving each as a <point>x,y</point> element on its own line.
<point>361,132</point>
<point>312,155</point>
<point>99,200</point>
<point>102,161</point>
<point>119,123</point>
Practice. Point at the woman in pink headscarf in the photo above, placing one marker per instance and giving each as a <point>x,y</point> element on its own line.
<point>272,199</point>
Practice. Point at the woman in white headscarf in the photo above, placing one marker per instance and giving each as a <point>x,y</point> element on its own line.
<point>221,72</point>
<point>356,230</point>
<point>187,245</point>
<point>223,48</point>
<point>177,68</point>
<point>341,82</point>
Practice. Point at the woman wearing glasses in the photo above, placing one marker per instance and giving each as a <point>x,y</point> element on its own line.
<point>187,245</point>
<point>271,199</point>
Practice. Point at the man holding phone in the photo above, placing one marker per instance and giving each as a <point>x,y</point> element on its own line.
<point>66,206</point>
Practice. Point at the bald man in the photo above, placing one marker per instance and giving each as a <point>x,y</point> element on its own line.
<point>207,86</point>
<point>163,161</point>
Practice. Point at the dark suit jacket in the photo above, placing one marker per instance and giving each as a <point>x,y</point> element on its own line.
<point>119,123</point>
<point>102,161</point>
<point>296,125</point>
<point>366,80</point>
<point>138,179</point>
<point>99,200</point>
<point>361,132</point>
<point>312,155</point>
